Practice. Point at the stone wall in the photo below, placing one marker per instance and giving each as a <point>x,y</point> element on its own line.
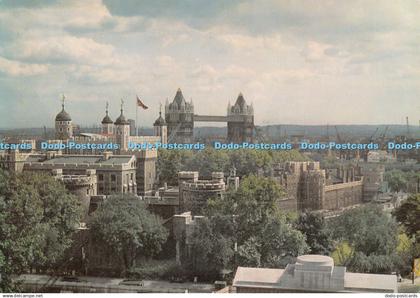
<point>343,195</point>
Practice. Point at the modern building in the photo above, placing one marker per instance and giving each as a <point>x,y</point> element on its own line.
<point>311,274</point>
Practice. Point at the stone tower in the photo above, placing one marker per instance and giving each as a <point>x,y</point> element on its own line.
<point>240,121</point>
<point>122,130</point>
<point>180,119</point>
<point>107,124</point>
<point>160,128</point>
<point>63,124</point>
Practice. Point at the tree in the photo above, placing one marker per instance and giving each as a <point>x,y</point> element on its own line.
<point>342,253</point>
<point>247,162</point>
<point>408,214</point>
<point>249,253</point>
<point>318,237</point>
<point>169,163</point>
<point>212,246</point>
<point>207,161</point>
<point>397,180</point>
<point>280,242</point>
<point>38,220</point>
<point>262,232</point>
<point>124,225</point>
<point>373,237</point>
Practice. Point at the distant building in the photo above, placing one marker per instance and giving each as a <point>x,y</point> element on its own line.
<point>311,274</point>
<point>308,187</point>
<point>115,174</point>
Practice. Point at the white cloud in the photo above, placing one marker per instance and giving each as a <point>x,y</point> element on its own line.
<point>62,49</point>
<point>290,56</point>
<point>16,68</point>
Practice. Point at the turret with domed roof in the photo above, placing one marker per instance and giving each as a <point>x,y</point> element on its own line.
<point>63,124</point>
<point>122,129</point>
<point>107,123</point>
<point>160,128</point>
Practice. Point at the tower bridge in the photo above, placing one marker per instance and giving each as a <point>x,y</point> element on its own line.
<point>180,120</point>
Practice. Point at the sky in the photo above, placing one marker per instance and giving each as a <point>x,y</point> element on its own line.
<point>299,62</point>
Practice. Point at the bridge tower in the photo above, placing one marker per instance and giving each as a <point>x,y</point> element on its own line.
<point>240,121</point>
<point>180,119</point>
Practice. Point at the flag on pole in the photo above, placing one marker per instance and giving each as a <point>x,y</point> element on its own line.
<point>141,104</point>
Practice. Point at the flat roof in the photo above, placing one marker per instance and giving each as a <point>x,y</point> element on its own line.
<point>257,277</point>
<point>280,279</point>
<point>369,281</point>
<point>81,159</point>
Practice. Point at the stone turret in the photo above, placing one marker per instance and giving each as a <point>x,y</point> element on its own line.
<point>240,121</point>
<point>122,130</point>
<point>107,124</point>
<point>160,128</point>
<point>63,124</point>
<point>179,116</point>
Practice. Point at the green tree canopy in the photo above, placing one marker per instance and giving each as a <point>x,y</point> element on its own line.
<point>261,231</point>
<point>397,180</point>
<point>124,225</point>
<point>408,214</point>
<point>318,236</point>
<point>37,222</point>
<point>373,236</point>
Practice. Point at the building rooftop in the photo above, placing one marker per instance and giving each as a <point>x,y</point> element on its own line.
<point>81,159</point>
<point>312,273</point>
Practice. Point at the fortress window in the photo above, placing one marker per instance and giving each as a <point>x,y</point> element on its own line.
<point>113,178</point>
<point>101,177</point>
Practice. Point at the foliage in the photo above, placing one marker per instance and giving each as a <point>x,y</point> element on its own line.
<point>153,269</point>
<point>342,253</point>
<point>246,162</point>
<point>280,243</point>
<point>262,233</point>
<point>212,246</point>
<point>207,161</point>
<point>169,163</point>
<point>373,237</point>
<point>318,236</point>
<point>408,214</point>
<point>397,180</point>
<point>37,222</point>
<point>124,225</point>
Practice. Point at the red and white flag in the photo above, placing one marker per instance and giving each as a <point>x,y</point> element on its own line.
<point>141,104</point>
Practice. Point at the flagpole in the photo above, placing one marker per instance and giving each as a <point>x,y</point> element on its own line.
<point>137,126</point>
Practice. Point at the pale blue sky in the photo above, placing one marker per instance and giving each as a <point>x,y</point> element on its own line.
<point>300,62</point>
